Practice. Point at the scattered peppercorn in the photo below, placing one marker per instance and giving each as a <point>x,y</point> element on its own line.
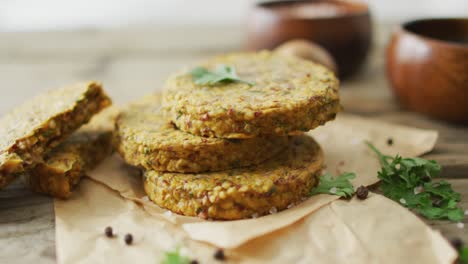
<point>219,255</point>
<point>128,239</point>
<point>108,231</point>
<point>457,243</point>
<point>194,261</point>
<point>362,192</point>
<point>390,141</point>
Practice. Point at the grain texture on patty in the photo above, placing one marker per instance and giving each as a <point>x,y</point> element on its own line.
<point>241,193</point>
<point>66,164</point>
<point>43,122</point>
<point>288,95</point>
<point>145,138</point>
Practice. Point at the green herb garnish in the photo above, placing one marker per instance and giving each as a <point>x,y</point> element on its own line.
<point>409,182</point>
<point>340,185</point>
<point>174,257</point>
<point>221,74</point>
<point>463,255</point>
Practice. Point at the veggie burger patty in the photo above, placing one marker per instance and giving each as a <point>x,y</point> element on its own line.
<point>241,193</point>
<point>146,139</point>
<point>279,95</point>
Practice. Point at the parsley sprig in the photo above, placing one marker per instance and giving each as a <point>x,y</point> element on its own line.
<point>463,255</point>
<point>174,257</point>
<point>221,74</point>
<point>340,185</point>
<point>409,182</point>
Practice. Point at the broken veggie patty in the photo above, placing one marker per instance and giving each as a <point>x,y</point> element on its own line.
<point>66,164</point>
<point>40,124</point>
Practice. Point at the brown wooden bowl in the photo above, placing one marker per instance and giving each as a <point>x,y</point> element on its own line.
<point>427,65</point>
<point>342,28</point>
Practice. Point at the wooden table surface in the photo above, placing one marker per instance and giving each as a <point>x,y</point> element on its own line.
<point>134,61</point>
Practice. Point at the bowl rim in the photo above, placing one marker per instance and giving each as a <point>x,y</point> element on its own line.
<point>265,5</point>
<point>444,43</point>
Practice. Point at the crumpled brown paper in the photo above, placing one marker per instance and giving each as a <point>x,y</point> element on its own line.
<point>336,231</point>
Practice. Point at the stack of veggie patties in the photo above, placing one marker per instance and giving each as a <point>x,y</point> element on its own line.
<point>225,141</point>
<point>39,141</point>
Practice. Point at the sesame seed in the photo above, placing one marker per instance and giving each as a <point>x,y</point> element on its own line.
<point>403,201</point>
<point>333,190</point>
<point>460,225</point>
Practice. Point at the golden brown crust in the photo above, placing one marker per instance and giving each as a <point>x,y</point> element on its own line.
<point>241,193</point>
<point>42,123</point>
<point>289,95</point>
<point>145,138</point>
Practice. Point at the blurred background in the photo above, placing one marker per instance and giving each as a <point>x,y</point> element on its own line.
<point>32,15</point>
<point>133,45</point>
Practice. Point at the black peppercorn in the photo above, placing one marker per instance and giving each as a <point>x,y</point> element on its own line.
<point>390,141</point>
<point>128,239</point>
<point>194,261</point>
<point>457,243</point>
<point>219,255</point>
<point>108,231</point>
<point>362,192</point>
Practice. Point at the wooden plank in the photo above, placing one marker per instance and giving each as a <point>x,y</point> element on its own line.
<point>168,42</point>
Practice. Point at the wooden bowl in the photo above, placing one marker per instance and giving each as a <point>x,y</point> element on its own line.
<point>342,28</point>
<point>427,65</point>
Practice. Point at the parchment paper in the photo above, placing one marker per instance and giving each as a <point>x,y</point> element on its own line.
<point>321,228</point>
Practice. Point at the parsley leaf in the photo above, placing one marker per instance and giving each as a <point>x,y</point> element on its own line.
<point>174,257</point>
<point>409,182</point>
<point>340,185</point>
<point>463,255</point>
<point>222,73</point>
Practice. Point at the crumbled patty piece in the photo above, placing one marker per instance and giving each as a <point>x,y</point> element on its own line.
<point>65,165</point>
<point>146,139</point>
<point>241,193</point>
<point>289,94</point>
<point>42,123</point>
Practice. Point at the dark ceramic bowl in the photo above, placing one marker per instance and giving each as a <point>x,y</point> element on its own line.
<point>342,28</point>
<point>427,65</point>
